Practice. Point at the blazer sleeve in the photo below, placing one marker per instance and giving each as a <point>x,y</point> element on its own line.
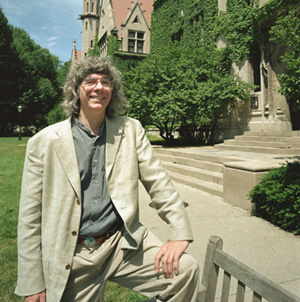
<point>30,271</point>
<point>156,181</point>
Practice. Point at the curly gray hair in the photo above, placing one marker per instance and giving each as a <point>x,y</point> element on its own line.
<point>78,71</point>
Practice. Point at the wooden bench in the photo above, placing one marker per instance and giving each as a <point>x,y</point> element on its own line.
<point>261,287</point>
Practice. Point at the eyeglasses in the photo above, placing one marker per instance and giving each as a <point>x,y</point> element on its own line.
<point>93,82</point>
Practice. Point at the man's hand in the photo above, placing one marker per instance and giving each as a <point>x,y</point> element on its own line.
<point>169,255</point>
<point>40,297</point>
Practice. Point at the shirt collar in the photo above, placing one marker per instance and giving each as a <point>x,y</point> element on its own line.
<point>86,129</point>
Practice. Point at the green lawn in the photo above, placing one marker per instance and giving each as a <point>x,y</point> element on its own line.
<point>12,152</point>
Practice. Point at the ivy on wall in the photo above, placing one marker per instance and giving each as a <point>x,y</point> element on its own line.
<point>187,22</point>
<point>246,27</point>
<point>238,26</point>
<point>195,23</point>
<point>125,61</point>
<point>122,60</point>
<point>245,24</point>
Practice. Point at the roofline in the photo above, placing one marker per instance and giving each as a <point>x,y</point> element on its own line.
<point>137,3</point>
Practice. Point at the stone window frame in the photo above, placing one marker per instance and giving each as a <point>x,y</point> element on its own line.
<point>136,41</point>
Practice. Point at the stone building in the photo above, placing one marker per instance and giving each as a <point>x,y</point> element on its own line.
<point>269,109</point>
<point>90,24</point>
<point>129,20</point>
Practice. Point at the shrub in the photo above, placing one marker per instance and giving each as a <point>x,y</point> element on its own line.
<point>277,197</point>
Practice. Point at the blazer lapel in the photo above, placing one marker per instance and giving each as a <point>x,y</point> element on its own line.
<point>114,134</point>
<point>66,153</point>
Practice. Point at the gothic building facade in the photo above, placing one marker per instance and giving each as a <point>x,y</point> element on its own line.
<point>269,110</point>
<point>129,20</point>
<point>90,24</point>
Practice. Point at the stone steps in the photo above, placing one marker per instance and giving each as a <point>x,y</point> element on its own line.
<point>261,149</point>
<point>203,168</point>
<point>186,160</point>
<point>193,153</point>
<point>205,186</point>
<point>269,138</point>
<point>269,144</point>
<point>268,134</point>
<point>282,143</point>
<point>200,171</point>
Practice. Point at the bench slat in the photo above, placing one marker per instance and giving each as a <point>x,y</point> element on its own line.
<point>211,271</point>
<point>226,287</point>
<point>240,295</point>
<point>256,282</point>
<point>256,297</point>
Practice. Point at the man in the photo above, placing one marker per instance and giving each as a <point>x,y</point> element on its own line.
<point>79,216</point>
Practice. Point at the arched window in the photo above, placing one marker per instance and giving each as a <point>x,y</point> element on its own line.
<point>92,7</point>
<point>86,25</point>
<point>87,7</point>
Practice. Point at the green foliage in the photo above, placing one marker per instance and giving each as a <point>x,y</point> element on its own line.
<point>238,26</point>
<point>9,73</point>
<point>245,26</point>
<point>277,197</point>
<point>56,115</point>
<point>38,85</point>
<point>125,61</point>
<point>95,50</point>
<point>286,32</point>
<point>62,71</point>
<point>194,87</point>
<point>190,23</point>
<point>113,44</point>
<point>270,10</point>
<point>185,88</point>
<point>122,60</point>
<point>5,41</point>
<point>30,76</point>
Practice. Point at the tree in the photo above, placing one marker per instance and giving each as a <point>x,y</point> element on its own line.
<point>9,66</point>
<point>183,88</point>
<point>38,87</point>
<point>57,113</point>
<point>62,72</point>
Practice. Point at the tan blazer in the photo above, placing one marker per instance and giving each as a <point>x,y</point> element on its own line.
<point>50,205</point>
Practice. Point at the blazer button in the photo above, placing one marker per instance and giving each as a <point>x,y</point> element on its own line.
<point>68,267</point>
<point>78,201</point>
<point>74,233</point>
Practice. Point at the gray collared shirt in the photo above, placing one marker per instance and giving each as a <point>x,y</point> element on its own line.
<point>99,216</point>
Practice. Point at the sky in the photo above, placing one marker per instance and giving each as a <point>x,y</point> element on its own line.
<point>52,24</point>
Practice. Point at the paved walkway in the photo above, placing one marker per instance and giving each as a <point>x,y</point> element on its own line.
<point>260,245</point>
